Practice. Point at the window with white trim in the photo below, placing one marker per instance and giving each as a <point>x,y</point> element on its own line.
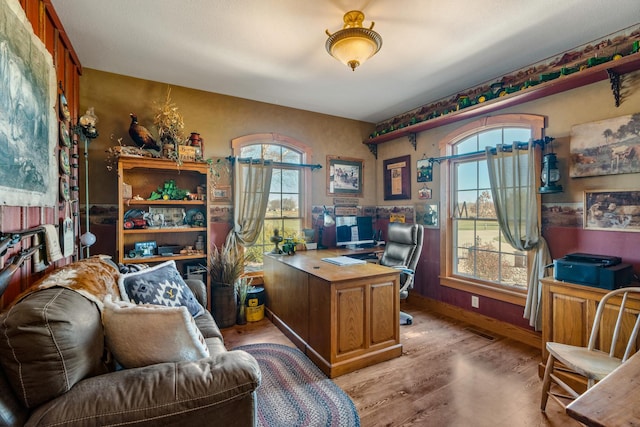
<point>288,208</point>
<point>478,256</point>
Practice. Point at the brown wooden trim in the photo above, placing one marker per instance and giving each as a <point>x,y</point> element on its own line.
<point>50,10</point>
<point>498,327</point>
<point>486,290</point>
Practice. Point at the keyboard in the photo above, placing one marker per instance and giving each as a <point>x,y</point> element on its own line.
<point>364,256</point>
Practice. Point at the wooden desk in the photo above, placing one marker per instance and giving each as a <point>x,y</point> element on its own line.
<point>614,400</point>
<point>343,317</point>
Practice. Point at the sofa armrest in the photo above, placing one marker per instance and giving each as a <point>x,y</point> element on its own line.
<point>199,290</point>
<point>159,393</point>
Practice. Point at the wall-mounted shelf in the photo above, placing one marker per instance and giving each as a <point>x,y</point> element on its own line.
<point>611,70</point>
<point>131,202</point>
<point>165,230</point>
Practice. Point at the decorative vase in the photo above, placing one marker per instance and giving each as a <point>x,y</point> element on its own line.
<point>242,315</point>
<point>224,304</point>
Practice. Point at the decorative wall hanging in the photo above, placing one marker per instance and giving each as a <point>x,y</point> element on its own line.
<point>222,193</point>
<point>425,170</point>
<point>345,176</point>
<point>612,210</point>
<point>29,163</point>
<point>65,138</point>
<point>65,192</point>
<point>397,181</point>
<point>424,193</point>
<point>427,215</point>
<point>606,147</point>
<point>63,108</point>
<point>563,214</point>
<point>65,166</point>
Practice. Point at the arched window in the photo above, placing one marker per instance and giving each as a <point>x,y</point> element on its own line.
<point>289,201</point>
<point>478,258</point>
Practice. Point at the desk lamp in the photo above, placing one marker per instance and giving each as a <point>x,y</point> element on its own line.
<point>327,221</point>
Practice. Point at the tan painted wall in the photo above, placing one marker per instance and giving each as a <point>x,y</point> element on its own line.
<point>218,118</point>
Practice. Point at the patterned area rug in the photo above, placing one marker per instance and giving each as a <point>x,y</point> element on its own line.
<point>295,392</point>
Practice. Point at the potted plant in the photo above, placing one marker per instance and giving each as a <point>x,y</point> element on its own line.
<point>225,269</point>
<point>243,286</point>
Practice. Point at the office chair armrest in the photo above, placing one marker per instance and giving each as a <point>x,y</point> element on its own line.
<point>409,272</point>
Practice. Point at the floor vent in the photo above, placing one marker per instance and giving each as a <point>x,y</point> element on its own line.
<point>480,333</point>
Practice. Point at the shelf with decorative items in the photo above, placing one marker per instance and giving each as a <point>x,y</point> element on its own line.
<point>510,91</point>
<point>163,209</point>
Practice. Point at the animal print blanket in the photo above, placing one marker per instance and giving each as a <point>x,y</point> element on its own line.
<point>94,278</point>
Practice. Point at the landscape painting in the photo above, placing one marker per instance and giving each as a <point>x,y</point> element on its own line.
<point>568,214</point>
<point>612,210</point>
<point>28,125</point>
<point>607,147</point>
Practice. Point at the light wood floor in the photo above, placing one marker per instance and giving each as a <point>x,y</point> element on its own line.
<point>448,375</point>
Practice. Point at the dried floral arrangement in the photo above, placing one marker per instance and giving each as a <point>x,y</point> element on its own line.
<point>169,122</point>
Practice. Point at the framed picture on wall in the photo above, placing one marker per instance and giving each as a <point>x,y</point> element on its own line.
<point>222,193</point>
<point>397,178</point>
<point>345,176</point>
<point>612,210</point>
<point>427,214</point>
<point>425,170</point>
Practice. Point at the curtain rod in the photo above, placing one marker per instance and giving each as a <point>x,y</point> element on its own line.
<point>519,146</point>
<point>280,164</point>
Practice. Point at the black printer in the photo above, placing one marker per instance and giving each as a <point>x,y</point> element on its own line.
<point>600,271</point>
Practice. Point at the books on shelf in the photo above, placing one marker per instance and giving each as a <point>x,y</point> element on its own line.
<point>344,260</point>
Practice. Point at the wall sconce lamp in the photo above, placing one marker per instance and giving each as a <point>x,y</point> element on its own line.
<point>550,174</point>
<point>326,220</point>
<point>353,45</point>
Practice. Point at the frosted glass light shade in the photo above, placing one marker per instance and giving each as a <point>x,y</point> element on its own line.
<point>87,239</point>
<point>353,45</point>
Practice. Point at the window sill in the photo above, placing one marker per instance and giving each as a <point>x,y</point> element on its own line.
<point>485,290</point>
<point>256,277</point>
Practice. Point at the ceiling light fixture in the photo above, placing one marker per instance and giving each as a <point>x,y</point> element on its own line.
<point>353,45</point>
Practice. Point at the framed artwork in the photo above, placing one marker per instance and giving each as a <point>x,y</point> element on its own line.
<point>427,215</point>
<point>397,178</point>
<point>425,170</point>
<point>345,176</point>
<point>612,210</point>
<point>606,147</point>
<point>424,193</point>
<point>27,79</point>
<point>222,193</point>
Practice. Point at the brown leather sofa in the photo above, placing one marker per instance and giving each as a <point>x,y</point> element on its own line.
<point>55,372</point>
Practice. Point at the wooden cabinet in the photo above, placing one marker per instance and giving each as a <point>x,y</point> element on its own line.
<point>343,317</point>
<point>568,311</point>
<point>145,175</point>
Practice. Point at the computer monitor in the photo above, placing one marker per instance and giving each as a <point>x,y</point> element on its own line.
<point>354,231</point>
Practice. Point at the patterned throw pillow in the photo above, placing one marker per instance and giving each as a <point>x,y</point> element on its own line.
<point>146,334</point>
<point>161,285</point>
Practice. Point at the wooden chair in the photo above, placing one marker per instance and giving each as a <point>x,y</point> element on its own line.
<point>601,356</point>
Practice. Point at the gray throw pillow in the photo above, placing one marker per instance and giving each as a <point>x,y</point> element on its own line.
<point>161,285</point>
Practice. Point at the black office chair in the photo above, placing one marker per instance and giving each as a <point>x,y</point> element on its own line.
<point>402,251</point>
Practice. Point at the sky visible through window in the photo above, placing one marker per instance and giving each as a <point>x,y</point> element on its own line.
<point>479,249</point>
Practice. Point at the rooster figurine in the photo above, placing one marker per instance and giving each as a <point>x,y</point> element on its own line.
<point>140,135</point>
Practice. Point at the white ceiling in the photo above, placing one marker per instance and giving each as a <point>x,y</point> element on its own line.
<point>274,50</point>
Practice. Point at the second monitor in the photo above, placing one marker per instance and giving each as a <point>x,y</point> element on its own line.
<point>354,231</point>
